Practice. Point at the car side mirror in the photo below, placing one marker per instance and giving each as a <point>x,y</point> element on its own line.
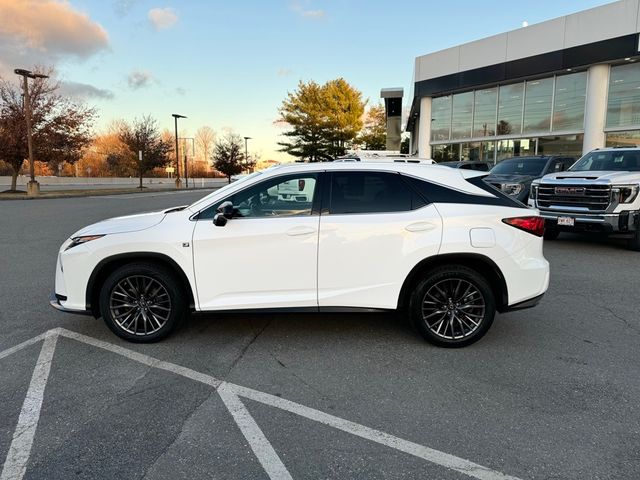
<point>226,209</point>
<point>225,213</point>
<point>219,220</point>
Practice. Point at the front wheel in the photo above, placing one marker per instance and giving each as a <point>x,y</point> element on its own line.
<point>453,306</point>
<point>634,242</point>
<point>142,302</point>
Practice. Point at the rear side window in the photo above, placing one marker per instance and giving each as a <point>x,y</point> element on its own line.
<point>434,193</point>
<point>371,192</point>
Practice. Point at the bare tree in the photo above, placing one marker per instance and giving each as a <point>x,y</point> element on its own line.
<point>205,141</point>
<point>60,127</point>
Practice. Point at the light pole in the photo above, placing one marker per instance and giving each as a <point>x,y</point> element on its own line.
<point>193,147</point>
<point>33,187</point>
<point>176,116</point>
<point>246,152</point>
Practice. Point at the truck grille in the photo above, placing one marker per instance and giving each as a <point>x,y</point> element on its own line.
<point>589,197</point>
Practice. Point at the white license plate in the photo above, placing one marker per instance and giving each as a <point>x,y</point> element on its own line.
<point>566,221</point>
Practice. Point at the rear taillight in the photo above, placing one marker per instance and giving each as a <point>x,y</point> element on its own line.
<point>533,225</point>
<point>300,185</point>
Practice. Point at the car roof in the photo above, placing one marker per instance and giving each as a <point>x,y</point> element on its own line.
<point>615,149</point>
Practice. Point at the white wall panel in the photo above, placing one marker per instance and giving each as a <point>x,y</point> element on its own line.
<point>601,23</point>
<point>480,53</point>
<point>536,39</point>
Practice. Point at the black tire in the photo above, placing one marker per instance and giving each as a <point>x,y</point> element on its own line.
<point>551,233</point>
<point>142,302</point>
<point>468,312</point>
<point>634,242</point>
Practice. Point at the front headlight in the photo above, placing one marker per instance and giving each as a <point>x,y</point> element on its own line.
<point>512,188</point>
<point>626,193</point>
<point>75,241</point>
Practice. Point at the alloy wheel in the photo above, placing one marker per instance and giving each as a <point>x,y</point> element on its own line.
<point>140,305</point>
<point>453,309</point>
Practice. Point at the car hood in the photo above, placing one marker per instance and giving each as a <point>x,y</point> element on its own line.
<point>509,178</point>
<point>129,223</point>
<point>600,176</point>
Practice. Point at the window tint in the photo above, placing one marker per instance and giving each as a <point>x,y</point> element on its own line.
<point>369,192</point>
<point>277,197</point>
<point>434,193</point>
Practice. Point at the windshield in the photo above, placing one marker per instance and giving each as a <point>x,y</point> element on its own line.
<point>520,166</point>
<point>619,160</point>
<point>227,187</point>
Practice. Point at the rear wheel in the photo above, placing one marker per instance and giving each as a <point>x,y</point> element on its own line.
<point>142,302</point>
<point>453,306</point>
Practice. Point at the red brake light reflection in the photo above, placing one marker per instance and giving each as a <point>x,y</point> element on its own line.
<point>533,225</point>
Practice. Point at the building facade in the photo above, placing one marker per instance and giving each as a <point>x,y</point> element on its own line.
<point>564,86</point>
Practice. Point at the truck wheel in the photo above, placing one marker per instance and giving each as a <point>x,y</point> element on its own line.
<point>551,233</point>
<point>453,306</point>
<point>634,242</point>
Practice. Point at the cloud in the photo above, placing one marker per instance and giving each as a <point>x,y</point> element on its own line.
<point>181,91</point>
<point>138,79</point>
<point>44,32</point>
<point>162,18</point>
<point>284,72</point>
<point>301,8</point>
<point>85,91</point>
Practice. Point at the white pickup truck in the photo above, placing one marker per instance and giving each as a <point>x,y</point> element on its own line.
<point>599,193</point>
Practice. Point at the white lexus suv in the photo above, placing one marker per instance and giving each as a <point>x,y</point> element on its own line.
<point>435,242</point>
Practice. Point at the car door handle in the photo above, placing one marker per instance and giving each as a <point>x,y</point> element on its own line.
<point>420,227</point>
<point>300,230</point>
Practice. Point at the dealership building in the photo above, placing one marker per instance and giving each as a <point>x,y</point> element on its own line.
<point>564,86</point>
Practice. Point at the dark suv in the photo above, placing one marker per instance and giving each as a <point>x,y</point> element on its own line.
<point>514,175</point>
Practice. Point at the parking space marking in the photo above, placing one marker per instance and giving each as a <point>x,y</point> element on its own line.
<point>230,394</point>
<point>260,445</point>
<point>15,464</point>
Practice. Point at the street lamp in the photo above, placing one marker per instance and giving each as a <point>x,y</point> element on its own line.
<point>33,187</point>
<point>193,149</point>
<point>246,152</point>
<point>176,116</point>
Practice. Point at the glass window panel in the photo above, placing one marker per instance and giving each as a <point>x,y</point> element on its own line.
<point>569,145</point>
<point>537,105</point>
<point>484,116</point>
<point>568,111</point>
<point>462,115</point>
<point>445,153</point>
<point>628,138</point>
<point>510,109</point>
<point>623,108</point>
<point>522,147</point>
<point>441,115</point>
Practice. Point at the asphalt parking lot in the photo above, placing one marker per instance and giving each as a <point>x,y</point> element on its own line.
<point>549,393</point>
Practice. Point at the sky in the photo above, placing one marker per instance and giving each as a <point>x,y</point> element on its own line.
<point>229,64</point>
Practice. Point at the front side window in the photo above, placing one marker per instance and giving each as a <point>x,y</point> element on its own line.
<point>371,192</point>
<point>291,195</point>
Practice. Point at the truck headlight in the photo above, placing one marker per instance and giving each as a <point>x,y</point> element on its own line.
<point>75,241</point>
<point>511,188</point>
<point>626,193</point>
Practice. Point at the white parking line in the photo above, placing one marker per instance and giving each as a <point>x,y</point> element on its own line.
<point>15,465</point>
<point>261,447</point>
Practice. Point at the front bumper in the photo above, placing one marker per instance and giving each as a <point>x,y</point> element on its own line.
<point>621,222</point>
<point>54,301</point>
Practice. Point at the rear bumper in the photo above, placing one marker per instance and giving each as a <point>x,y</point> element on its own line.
<point>532,302</point>
<point>54,301</point>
